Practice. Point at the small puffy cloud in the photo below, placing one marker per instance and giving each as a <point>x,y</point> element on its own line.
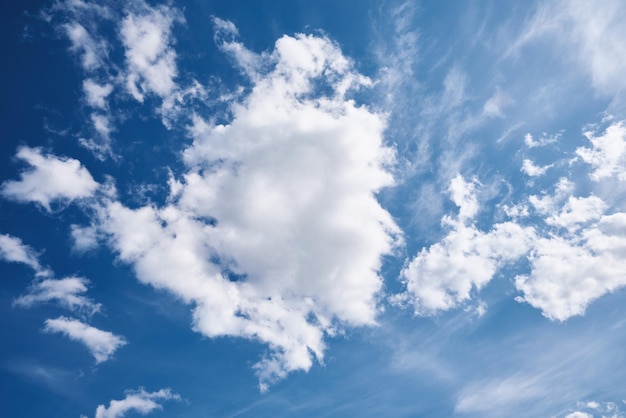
<point>530,169</point>
<point>101,344</point>
<point>96,94</point>
<point>84,238</point>
<point>542,141</point>
<point>14,251</point>
<point>443,275</point>
<point>569,272</point>
<point>139,401</point>
<point>68,292</point>
<point>607,155</point>
<point>150,58</point>
<point>590,33</point>
<point>49,179</point>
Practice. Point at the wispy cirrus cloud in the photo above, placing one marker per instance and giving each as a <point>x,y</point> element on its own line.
<point>13,250</point>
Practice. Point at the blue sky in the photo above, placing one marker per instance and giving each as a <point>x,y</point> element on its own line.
<point>313,209</point>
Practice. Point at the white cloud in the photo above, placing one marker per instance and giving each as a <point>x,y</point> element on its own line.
<point>96,94</point>
<point>67,291</point>
<point>530,169</point>
<point>443,275</point>
<point>139,401</point>
<point>484,397</point>
<point>542,141</point>
<point>579,414</point>
<point>589,33</point>
<point>607,155</point>
<point>93,52</point>
<point>84,238</point>
<point>274,233</point>
<point>150,58</point>
<point>14,251</point>
<point>496,104</point>
<point>569,272</point>
<point>101,344</point>
<point>49,179</point>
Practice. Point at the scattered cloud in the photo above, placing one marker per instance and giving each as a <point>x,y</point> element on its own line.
<point>443,275</point>
<point>139,401</point>
<point>49,179</point>
<point>14,251</point>
<point>607,155</point>
<point>542,141</point>
<point>150,58</point>
<point>96,94</point>
<point>588,34</point>
<point>101,344</point>
<point>532,170</point>
<point>67,292</point>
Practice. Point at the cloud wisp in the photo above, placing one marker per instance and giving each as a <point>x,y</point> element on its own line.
<point>138,401</point>
<point>101,344</point>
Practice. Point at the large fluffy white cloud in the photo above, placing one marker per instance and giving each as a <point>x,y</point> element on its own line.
<point>139,401</point>
<point>274,233</point>
<point>101,344</point>
<point>49,178</point>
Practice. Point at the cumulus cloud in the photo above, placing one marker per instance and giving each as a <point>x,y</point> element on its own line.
<point>68,292</point>
<point>607,155</point>
<point>101,344</point>
<point>274,233</point>
<point>150,58</point>
<point>532,170</point>
<point>139,401</point>
<point>96,93</point>
<point>49,179</point>
<point>569,272</point>
<point>443,275</point>
<point>14,251</point>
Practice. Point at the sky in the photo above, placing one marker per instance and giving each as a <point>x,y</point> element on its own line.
<point>313,209</point>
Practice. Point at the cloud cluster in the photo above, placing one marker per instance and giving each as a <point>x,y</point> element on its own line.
<point>69,293</point>
<point>573,244</point>
<point>444,275</point>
